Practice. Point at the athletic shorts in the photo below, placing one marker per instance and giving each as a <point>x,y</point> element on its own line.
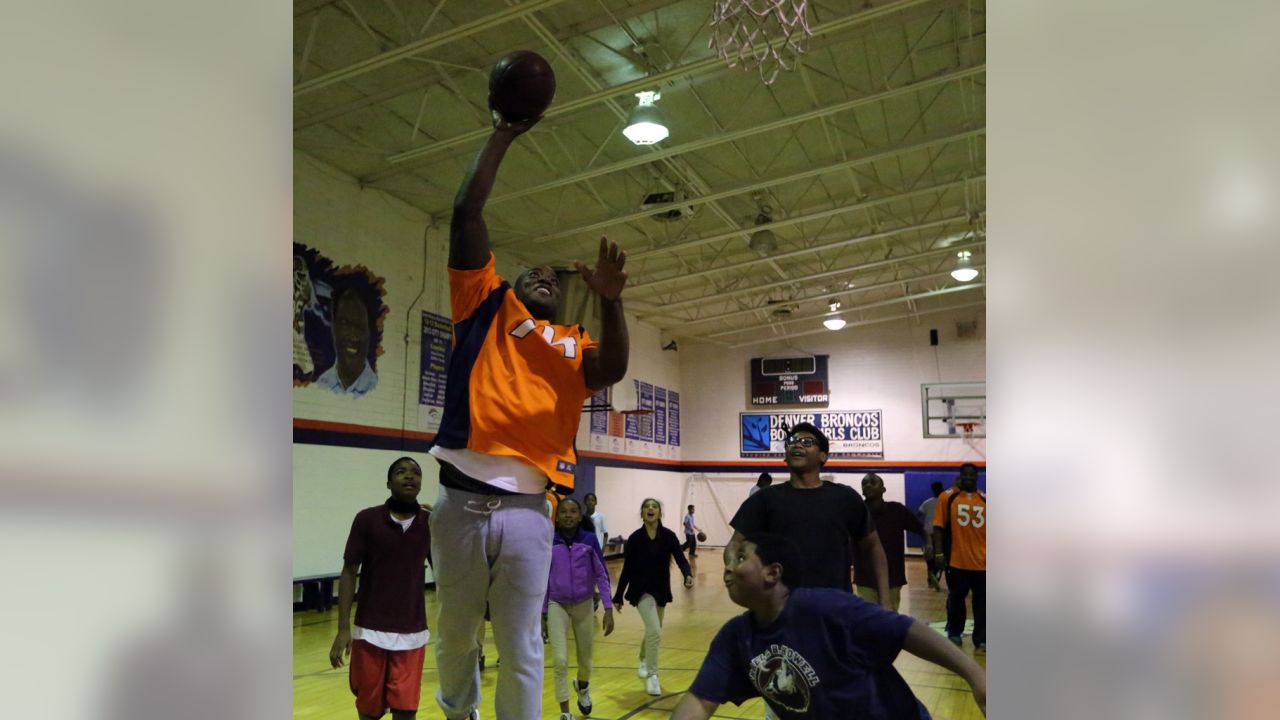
<point>385,679</point>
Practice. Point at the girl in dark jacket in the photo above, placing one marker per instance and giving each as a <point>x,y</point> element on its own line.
<point>645,582</point>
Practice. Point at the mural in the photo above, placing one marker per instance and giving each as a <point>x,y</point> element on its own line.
<point>338,314</point>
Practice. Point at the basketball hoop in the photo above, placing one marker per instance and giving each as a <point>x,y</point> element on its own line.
<point>767,34</point>
<point>966,429</point>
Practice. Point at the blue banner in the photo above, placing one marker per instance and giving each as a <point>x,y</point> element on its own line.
<point>660,415</point>
<point>851,433</point>
<point>437,347</point>
<point>646,420</point>
<point>673,417</point>
<point>632,431</point>
<point>599,404</point>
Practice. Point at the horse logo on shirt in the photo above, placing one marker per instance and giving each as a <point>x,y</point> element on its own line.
<point>784,677</point>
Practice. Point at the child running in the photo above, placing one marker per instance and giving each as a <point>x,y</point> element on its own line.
<point>577,573</point>
<point>645,582</point>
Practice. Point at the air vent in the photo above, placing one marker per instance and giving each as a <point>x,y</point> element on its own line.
<point>666,198</point>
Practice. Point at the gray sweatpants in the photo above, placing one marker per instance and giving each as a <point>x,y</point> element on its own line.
<point>494,548</point>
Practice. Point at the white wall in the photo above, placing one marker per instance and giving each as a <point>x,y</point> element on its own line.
<point>330,485</point>
<point>621,490</point>
<point>717,496</point>
<point>871,367</point>
<point>351,226</point>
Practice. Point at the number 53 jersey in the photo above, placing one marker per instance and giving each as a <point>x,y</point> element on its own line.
<point>964,514</point>
<point>515,385</point>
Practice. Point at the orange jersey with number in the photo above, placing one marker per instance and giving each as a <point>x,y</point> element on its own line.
<point>515,385</point>
<point>967,524</point>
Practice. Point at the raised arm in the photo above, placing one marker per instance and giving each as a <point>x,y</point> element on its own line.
<point>346,596</point>
<point>468,234</point>
<point>606,364</point>
<point>927,644</point>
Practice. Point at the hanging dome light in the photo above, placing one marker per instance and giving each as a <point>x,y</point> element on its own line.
<point>835,322</point>
<point>645,125</point>
<point>763,242</point>
<point>964,271</point>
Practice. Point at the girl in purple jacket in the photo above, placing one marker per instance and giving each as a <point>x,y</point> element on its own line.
<point>577,572</point>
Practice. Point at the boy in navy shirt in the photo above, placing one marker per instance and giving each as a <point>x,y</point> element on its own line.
<point>813,652</point>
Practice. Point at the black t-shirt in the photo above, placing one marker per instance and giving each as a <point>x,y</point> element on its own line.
<point>821,521</point>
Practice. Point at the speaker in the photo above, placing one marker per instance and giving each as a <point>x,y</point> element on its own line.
<point>933,336</point>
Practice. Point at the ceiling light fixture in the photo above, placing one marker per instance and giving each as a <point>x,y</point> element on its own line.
<point>834,323</point>
<point>964,271</point>
<point>763,242</point>
<point>645,125</point>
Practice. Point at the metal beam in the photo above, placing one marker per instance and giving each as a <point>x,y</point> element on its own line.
<point>857,323</point>
<point>699,66</point>
<point>882,303</point>
<point>420,46</point>
<point>747,187</point>
<point>860,239</point>
<point>806,218</point>
<point>823,296</point>
<point>696,145</point>
<point>666,308</point>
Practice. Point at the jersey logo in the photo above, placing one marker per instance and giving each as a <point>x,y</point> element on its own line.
<point>568,344</point>
<point>784,677</point>
<point>564,466</point>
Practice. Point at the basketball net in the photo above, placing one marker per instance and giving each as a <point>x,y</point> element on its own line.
<point>967,431</point>
<point>770,35</point>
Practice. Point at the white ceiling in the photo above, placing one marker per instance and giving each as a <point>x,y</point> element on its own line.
<point>870,154</point>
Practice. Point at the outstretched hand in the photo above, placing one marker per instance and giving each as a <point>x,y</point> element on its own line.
<point>607,278</point>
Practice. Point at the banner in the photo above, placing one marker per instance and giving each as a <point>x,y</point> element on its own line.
<point>673,418</point>
<point>646,403</point>
<point>660,415</point>
<point>852,433</point>
<point>599,404</point>
<point>437,347</point>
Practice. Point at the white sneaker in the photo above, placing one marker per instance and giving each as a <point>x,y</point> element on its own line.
<point>643,672</point>
<point>584,699</point>
<point>651,685</point>
<point>566,716</point>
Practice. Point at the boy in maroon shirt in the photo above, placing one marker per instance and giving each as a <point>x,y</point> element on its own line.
<point>892,519</point>
<point>387,547</point>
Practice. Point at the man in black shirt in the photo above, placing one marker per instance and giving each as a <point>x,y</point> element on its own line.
<point>823,518</point>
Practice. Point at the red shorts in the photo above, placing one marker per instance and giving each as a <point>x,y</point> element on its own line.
<point>385,679</point>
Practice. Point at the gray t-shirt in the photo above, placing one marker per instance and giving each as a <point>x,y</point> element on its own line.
<point>925,513</point>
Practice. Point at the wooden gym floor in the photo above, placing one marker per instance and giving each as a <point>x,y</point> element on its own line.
<point>692,619</point>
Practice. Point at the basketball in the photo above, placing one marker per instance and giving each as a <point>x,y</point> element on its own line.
<point>702,537</point>
<point>521,86</point>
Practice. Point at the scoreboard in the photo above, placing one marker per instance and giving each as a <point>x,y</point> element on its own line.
<point>799,380</point>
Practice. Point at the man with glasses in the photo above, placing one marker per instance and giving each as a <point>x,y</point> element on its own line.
<point>824,519</point>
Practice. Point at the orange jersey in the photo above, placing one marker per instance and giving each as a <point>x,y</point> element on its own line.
<point>967,526</point>
<point>515,384</point>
